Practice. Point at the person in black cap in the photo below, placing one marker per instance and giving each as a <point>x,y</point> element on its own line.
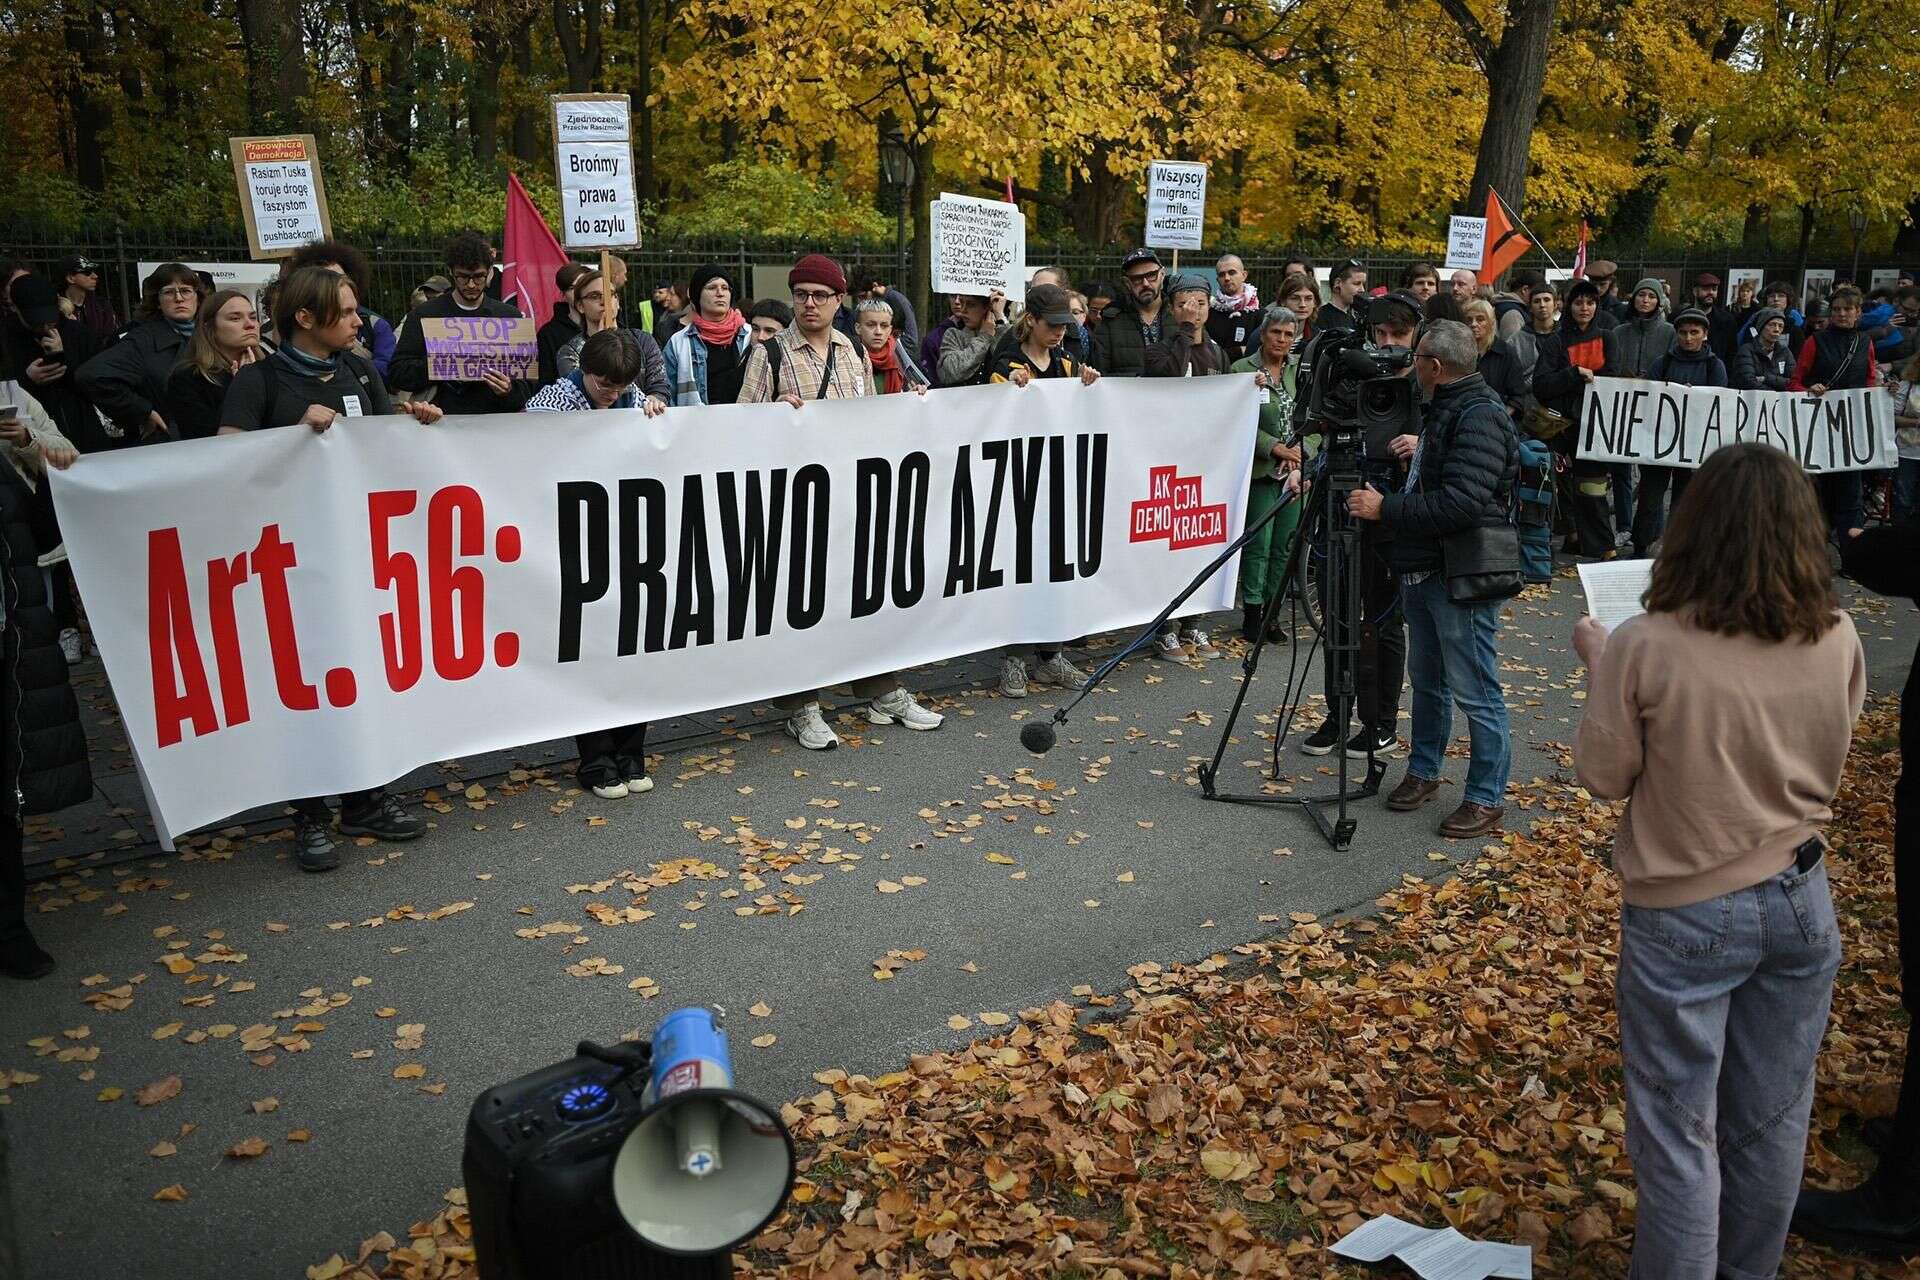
<point>80,278</point>
<point>1132,324</point>
<point>707,357</point>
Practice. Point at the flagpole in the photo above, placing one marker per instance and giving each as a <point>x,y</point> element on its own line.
<point>1524,227</point>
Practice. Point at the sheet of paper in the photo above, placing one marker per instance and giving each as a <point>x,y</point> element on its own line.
<point>1435,1254</point>
<point>1614,589</point>
<point>1514,1261</point>
<point>1448,1255</point>
<point>1379,1239</point>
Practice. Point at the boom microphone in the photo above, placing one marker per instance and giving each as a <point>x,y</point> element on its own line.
<point>1038,737</point>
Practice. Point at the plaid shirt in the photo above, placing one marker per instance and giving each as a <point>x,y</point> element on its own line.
<point>803,370</point>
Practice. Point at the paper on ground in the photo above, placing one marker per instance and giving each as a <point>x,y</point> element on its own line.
<point>1614,588</point>
<point>1435,1255</point>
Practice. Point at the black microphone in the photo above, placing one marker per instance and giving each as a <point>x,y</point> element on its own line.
<point>1038,737</point>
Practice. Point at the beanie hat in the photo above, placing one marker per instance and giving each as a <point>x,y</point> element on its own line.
<point>706,272</point>
<point>818,268</point>
<point>1692,315</point>
<point>1763,315</point>
<point>1188,284</point>
<point>1656,284</point>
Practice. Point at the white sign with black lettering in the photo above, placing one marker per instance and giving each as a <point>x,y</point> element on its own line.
<point>1176,204</point>
<point>979,246</point>
<point>593,161</point>
<point>1665,424</point>
<point>1466,243</point>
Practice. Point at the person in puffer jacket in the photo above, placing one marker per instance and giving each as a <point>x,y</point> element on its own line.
<point>1691,363</point>
<point>1765,363</point>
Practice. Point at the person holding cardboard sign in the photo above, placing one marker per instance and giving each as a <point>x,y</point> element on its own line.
<point>470,267</point>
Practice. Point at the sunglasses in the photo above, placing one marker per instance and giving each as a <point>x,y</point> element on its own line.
<point>1141,277</point>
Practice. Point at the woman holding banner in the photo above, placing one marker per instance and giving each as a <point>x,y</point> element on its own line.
<point>226,338</point>
<point>1836,358</point>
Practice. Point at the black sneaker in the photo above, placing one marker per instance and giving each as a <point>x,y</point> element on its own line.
<point>1323,740</point>
<point>383,819</point>
<point>313,847</point>
<point>22,958</point>
<point>1383,743</point>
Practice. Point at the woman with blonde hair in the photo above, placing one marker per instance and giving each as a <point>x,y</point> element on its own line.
<point>1499,366</point>
<point>1722,715</point>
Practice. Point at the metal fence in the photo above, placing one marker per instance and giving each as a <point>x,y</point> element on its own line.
<point>399,265</point>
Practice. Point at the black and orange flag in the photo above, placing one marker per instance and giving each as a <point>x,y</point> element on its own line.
<point>1504,244</point>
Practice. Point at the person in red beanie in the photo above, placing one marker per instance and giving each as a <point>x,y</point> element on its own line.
<point>811,360</point>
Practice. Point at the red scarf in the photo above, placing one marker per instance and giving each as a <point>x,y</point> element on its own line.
<point>717,333</point>
<point>884,362</point>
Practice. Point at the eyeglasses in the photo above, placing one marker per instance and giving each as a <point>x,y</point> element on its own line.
<point>1142,277</point>
<point>179,291</point>
<point>813,297</point>
<point>472,277</point>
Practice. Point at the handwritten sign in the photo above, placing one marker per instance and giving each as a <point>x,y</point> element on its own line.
<point>1666,424</point>
<point>464,348</point>
<point>979,246</point>
<point>1176,204</point>
<point>1466,243</point>
<point>593,161</point>
<point>282,197</point>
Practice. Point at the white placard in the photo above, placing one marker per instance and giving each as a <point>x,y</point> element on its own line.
<point>1466,243</point>
<point>1883,278</point>
<point>282,198</point>
<point>979,246</point>
<point>1666,424</point>
<point>593,165</point>
<point>1815,285</point>
<point>409,594</point>
<point>1176,204</point>
<point>1737,276</point>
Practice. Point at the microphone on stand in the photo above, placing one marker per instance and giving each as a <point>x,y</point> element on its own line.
<point>1039,736</point>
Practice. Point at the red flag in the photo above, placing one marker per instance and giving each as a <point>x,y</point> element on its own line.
<point>1580,254</point>
<point>532,256</point>
<point>1505,244</point>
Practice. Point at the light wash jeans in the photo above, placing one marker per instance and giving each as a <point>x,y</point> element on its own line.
<point>1451,658</point>
<point>1722,1005</point>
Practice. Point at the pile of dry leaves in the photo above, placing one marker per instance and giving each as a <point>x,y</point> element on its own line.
<point>1452,1058</point>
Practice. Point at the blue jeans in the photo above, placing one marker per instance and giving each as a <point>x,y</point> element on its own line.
<point>1451,658</point>
<point>1906,490</point>
<point>1623,494</point>
<point>1722,1006</point>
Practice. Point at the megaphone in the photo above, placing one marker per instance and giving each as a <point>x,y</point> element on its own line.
<point>707,1167</point>
<point>627,1161</point>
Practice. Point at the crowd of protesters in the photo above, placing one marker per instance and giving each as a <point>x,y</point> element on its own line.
<point>1493,369</point>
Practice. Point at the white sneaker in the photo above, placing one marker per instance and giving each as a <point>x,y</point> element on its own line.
<point>1013,677</point>
<point>611,791</point>
<point>72,646</point>
<point>900,706</point>
<point>1202,648</point>
<point>807,727</point>
<point>1057,670</point>
<point>639,786</point>
<point>1169,646</point>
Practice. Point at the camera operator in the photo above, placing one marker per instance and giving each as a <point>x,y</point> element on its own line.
<point>1462,472</point>
<point>1382,659</point>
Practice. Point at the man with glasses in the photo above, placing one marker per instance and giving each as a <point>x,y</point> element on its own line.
<point>811,360</point>
<point>1134,324</point>
<point>79,277</point>
<point>1348,285</point>
<point>470,267</point>
<point>1462,473</point>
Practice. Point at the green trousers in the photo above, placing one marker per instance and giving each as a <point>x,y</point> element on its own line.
<point>1264,560</point>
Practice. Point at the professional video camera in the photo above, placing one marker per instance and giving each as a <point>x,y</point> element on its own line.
<point>1355,394</point>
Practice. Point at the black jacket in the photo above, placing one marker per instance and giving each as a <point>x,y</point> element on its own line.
<point>72,412</point>
<point>1555,380</point>
<point>43,752</point>
<point>1500,370</point>
<point>1700,369</point>
<point>1757,370</point>
<point>128,380</point>
<point>555,334</point>
<point>1176,355</point>
<point>1232,329</point>
<point>192,403</point>
<point>1119,345</point>
<point>409,367</point>
<point>1723,328</point>
<point>1469,457</point>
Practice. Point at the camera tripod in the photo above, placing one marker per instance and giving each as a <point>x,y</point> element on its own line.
<point>1326,517</point>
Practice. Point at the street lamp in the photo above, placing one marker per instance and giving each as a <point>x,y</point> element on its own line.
<point>896,170</point>
<point>1857,219</point>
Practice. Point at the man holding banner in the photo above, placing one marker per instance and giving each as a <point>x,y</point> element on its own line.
<point>464,332</point>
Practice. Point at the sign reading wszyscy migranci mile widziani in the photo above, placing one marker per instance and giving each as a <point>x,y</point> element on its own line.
<point>1176,204</point>
<point>593,161</point>
<point>463,348</point>
<point>1466,243</point>
<point>282,197</point>
<point>979,246</point>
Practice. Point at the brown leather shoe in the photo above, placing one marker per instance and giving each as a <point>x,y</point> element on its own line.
<point>1471,820</point>
<point>1411,793</point>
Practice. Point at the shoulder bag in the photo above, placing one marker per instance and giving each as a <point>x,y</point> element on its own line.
<point>1482,564</point>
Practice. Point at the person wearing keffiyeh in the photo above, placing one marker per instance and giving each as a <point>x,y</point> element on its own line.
<point>1233,312</point>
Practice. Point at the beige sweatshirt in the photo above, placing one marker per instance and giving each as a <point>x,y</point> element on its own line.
<point>1730,749</point>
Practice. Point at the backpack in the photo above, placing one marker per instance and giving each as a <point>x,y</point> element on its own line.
<point>1533,497</point>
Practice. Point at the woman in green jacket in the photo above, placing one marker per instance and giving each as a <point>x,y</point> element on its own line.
<point>1263,563</point>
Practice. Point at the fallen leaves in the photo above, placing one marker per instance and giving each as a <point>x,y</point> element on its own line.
<point>171,1195</point>
<point>886,966</point>
<point>163,1090</point>
<point>409,1071</point>
<point>248,1148</point>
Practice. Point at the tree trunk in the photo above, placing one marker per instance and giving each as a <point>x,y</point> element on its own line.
<point>641,97</point>
<point>483,97</point>
<point>276,63</point>
<point>580,46</point>
<point>85,38</point>
<point>918,254</point>
<point>1516,71</point>
<point>526,146</point>
<point>397,97</point>
<point>1809,217</point>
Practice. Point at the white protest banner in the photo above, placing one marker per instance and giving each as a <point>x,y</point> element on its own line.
<point>282,198</point>
<point>979,246</point>
<point>1466,243</point>
<point>593,162</point>
<point>1176,204</point>
<point>285,613</point>
<point>1668,425</point>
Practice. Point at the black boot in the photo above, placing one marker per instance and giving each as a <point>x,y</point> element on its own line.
<point>21,957</point>
<point>1880,1216</point>
<point>1250,615</point>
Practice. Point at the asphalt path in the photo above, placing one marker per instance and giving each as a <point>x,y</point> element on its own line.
<point>984,880</point>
